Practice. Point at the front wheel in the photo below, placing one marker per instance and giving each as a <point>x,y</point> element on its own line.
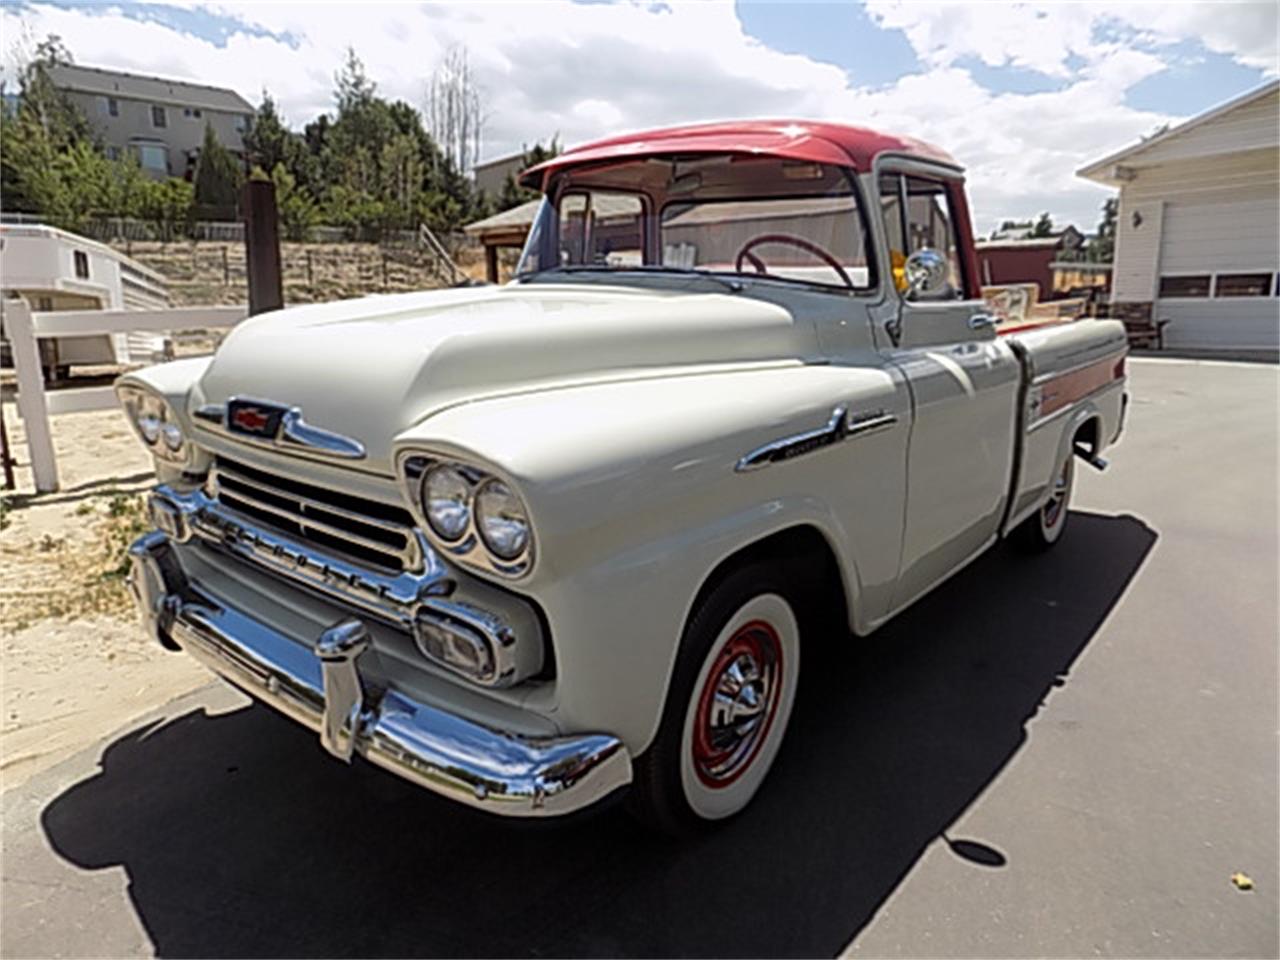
<point>1044,528</point>
<point>727,707</point>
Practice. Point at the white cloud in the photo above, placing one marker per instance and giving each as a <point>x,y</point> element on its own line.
<point>1044,36</point>
<point>581,72</point>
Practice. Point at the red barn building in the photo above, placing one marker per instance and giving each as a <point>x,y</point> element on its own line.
<point>1022,259</point>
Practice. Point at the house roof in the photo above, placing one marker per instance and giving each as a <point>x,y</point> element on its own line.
<point>1021,243</point>
<point>1102,171</point>
<point>116,83</point>
<point>805,140</point>
<point>516,218</point>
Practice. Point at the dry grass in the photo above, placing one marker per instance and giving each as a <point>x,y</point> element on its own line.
<point>79,573</point>
<point>214,273</point>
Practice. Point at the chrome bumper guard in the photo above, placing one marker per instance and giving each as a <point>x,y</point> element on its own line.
<point>321,688</point>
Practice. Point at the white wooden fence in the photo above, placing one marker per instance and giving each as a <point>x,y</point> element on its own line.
<point>35,405</point>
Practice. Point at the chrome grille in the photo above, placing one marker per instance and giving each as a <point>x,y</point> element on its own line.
<point>366,531</point>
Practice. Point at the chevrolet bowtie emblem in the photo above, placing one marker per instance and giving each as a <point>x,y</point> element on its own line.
<point>280,426</point>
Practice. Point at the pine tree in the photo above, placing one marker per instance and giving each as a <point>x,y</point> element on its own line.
<point>217,181</point>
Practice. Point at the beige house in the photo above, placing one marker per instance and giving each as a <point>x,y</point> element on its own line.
<point>1198,230</point>
<point>160,121</point>
<point>492,174</point>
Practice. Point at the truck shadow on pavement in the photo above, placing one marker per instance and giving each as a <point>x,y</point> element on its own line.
<point>240,837</point>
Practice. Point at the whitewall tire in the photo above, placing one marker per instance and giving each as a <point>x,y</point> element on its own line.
<point>728,703</point>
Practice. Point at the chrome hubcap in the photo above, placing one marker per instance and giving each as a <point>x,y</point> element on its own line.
<point>737,704</point>
<point>1053,509</point>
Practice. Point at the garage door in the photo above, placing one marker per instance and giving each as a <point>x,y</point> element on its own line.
<point>1236,237</point>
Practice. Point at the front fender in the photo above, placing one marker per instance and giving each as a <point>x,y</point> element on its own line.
<point>634,499</point>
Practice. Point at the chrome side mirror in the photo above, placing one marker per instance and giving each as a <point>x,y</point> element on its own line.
<point>926,273</point>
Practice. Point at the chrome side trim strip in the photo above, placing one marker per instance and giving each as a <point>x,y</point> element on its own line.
<point>860,424</point>
<point>1054,374</point>
<point>840,425</point>
<point>796,444</point>
<point>321,688</point>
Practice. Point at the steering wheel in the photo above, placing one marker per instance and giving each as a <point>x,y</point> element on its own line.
<point>808,246</point>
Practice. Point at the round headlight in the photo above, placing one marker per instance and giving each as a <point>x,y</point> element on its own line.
<point>446,500</point>
<point>501,520</point>
<point>171,433</point>
<point>149,427</point>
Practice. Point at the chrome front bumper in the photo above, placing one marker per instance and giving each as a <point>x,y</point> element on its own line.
<point>322,688</point>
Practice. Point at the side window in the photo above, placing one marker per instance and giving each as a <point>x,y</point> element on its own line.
<point>601,228</point>
<point>926,221</point>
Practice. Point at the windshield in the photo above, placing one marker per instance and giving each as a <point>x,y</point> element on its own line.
<point>721,214</point>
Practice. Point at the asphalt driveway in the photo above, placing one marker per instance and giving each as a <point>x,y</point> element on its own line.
<point>1064,756</point>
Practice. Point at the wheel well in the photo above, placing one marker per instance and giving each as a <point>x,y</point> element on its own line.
<point>807,557</point>
<point>1087,436</point>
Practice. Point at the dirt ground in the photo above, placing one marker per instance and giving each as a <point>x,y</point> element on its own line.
<point>76,665</point>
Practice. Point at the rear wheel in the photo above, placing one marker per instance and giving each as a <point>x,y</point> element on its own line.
<point>1044,528</point>
<point>728,705</point>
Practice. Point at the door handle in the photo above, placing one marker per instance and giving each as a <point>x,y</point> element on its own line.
<point>983,321</point>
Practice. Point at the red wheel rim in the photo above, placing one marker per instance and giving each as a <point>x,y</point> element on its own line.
<point>737,704</point>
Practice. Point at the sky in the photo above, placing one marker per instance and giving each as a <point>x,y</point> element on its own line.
<point>1022,94</point>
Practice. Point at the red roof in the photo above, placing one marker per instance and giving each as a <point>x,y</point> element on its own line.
<point>834,143</point>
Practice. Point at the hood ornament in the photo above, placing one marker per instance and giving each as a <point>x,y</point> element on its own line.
<point>272,424</point>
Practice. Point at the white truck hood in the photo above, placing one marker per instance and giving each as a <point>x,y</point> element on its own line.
<point>373,367</point>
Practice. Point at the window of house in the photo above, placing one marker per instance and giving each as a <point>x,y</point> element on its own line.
<point>917,215</point>
<point>242,123</point>
<point>44,304</point>
<point>153,156</point>
<point>158,118</point>
<point>113,153</point>
<point>111,106</point>
<point>1242,285</point>
<point>192,112</point>
<point>81,263</point>
<point>1193,285</point>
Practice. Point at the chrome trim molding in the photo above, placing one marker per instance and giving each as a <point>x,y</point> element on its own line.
<point>861,423</point>
<point>1045,377</point>
<point>322,689</point>
<point>795,445</point>
<point>469,549</point>
<point>840,425</point>
<point>401,601</point>
<point>1035,403</point>
<point>294,435</point>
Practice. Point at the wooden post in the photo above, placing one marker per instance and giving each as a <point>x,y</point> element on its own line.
<point>384,270</point>
<point>491,263</point>
<point>311,281</point>
<point>262,246</point>
<point>6,454</point>
<point>226,268</point>
<point>31,401</point>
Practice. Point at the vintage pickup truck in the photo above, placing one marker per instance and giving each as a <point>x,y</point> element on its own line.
<point>526,545</point>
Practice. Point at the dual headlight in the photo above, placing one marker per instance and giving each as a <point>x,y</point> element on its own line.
<point>155,423</point>
<point>472,514</point>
